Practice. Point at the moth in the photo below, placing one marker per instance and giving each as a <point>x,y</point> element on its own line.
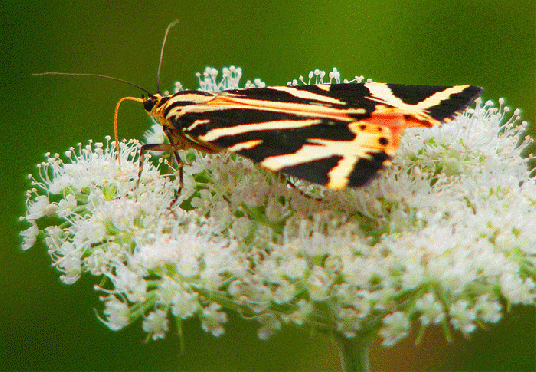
<point>336,135</point>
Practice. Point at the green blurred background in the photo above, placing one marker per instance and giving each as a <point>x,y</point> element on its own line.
<point>47,325</point>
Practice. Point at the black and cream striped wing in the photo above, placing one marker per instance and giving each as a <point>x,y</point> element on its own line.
<point>329,152</point>
<point>335,135</point>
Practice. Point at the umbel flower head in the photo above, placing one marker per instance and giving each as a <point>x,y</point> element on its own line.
<point>446,235</point>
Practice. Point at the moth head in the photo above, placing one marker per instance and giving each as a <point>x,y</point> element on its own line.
<point>151,102</point>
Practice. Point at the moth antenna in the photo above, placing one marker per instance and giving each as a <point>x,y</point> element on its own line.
<point>162,54</point>
<point>116,135</point>
<point>94,75</point>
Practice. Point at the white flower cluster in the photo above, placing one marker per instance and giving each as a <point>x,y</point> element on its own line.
<point>446,235</point>
<point>230,79</point>
<point>317,77</point>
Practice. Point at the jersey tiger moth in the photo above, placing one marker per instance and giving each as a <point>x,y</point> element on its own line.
<point>336,135</point>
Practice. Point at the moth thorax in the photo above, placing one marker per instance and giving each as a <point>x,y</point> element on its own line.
<point>188,98</point>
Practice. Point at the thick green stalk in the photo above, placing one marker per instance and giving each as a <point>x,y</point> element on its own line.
<point>354,352</point>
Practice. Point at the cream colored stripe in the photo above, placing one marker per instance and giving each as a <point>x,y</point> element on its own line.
<point>339,174</point>
<point>309,95</point>
<point>217,133</point>
<point>244,145</point>
<point>437,98</point>
<point>383,94</point>
<point>324,87</point>
<point>196,123</point>
<point>282,107</point>
<point>317,149</point>
<point>192,98</point>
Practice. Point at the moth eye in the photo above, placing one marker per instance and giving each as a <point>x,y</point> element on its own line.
<point>383,141</point>
<point>149,104</point>
<point>362,127</point>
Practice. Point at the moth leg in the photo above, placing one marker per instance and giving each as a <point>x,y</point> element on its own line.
<point>180,165</point>
<point>150,147</point>
<point>167,148</point>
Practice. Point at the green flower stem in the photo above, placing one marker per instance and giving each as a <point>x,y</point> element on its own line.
<point>354,352</point>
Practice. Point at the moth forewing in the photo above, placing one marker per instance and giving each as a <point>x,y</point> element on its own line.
<point>335,135</point>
